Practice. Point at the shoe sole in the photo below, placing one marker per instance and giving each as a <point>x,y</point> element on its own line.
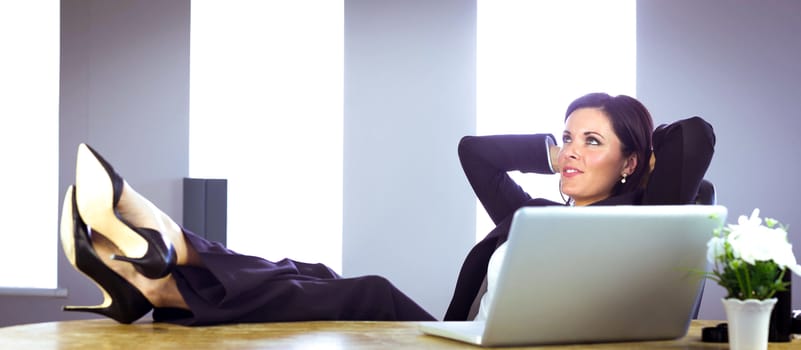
<point>67,229</point>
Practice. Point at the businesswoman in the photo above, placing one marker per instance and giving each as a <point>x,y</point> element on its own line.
<point>142,260</point>
<point>606,158</point>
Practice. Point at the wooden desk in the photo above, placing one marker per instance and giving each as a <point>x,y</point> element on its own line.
<point>107,334</point>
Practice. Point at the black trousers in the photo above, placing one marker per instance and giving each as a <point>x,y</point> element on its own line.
<point>236,288</point>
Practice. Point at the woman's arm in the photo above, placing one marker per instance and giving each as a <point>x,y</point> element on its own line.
<point>682,153</point>
<point>487,159</point>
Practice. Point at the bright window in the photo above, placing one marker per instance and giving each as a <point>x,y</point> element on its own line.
<point>535,57</point>
<point>29,83</point>
<point>266,113</point>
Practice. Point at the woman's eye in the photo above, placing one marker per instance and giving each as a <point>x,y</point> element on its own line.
<point>566,139</point>
<point>592,141</point>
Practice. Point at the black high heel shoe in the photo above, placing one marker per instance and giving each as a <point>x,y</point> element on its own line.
<point>99,189</point>
<point>121,300</point>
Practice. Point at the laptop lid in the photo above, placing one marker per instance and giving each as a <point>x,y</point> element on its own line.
<point>596,274</point>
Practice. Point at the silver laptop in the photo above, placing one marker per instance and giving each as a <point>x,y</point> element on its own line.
<point>595,274</point>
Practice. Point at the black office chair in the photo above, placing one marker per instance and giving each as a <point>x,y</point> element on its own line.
<point>705,196</point>
<point>706,193</point>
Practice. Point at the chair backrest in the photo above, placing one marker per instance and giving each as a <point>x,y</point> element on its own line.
<point>706,193</point>
<point>706,196</point>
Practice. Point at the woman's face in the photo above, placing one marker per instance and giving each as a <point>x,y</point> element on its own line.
<point>591,159</point>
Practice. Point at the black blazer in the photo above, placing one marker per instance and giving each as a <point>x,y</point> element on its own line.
<point>683,152</point>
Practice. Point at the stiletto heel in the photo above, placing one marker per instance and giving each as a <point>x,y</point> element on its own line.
<point>121,300</point>
<point>99,189</point>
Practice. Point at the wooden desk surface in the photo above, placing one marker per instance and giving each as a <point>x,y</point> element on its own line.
<point>107,334</point>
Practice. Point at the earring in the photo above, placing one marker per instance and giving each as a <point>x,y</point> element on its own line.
<point>623,180</point>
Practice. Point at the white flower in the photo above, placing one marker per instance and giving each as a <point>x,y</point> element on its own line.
<point>751,241</point>
<point>715,248</point>
<point>756,243</point>
<point>735,249</point>
<point>754,220</point>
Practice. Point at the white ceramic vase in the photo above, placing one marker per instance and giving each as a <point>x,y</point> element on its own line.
<point>748,322</point>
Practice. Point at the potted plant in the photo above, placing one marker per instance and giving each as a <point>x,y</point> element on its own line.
<point>749,260</point>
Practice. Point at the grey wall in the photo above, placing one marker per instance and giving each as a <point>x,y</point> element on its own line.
<point>409,214</point>
<point>409,96</point>
<point>735,63</point>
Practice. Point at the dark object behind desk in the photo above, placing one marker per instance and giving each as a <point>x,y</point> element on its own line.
<point>781,319</point>
<point>206,208</point>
